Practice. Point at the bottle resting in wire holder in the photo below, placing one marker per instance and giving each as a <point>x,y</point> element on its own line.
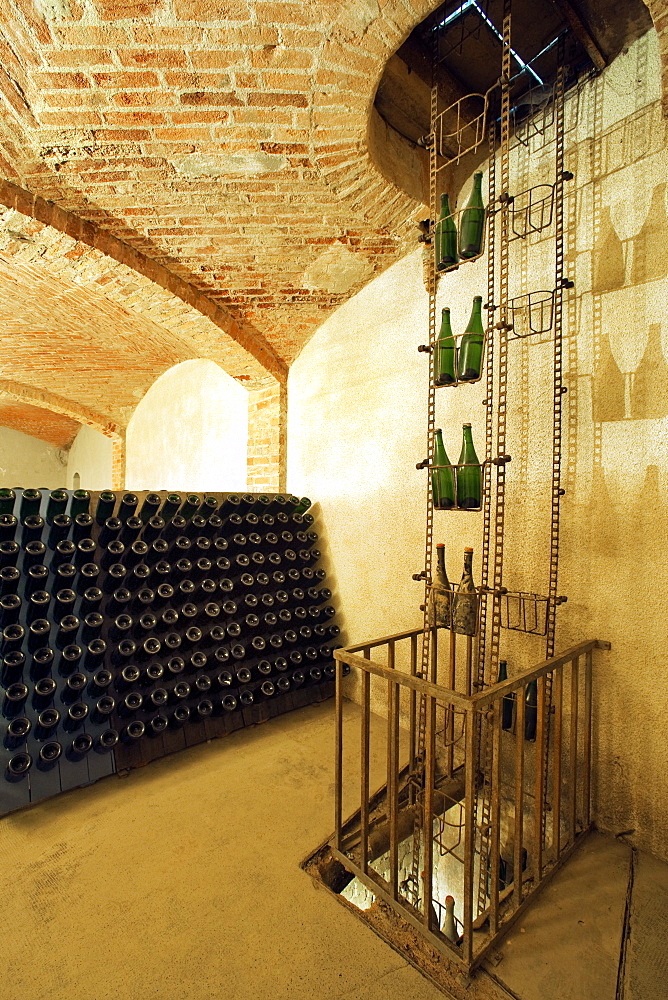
<point>440,594</point>
<point>445,361</point>
<point>465,602</point>
<point>469,473</point>
<point>442,476</point>
<point>469,355</point>
<point>446,237</point>
<point>472,222</point>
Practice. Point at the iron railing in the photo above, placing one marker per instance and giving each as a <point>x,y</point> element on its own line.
<point>539,788</point>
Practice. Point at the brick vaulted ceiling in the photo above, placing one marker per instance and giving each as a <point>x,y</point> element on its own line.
<point>201,181</point>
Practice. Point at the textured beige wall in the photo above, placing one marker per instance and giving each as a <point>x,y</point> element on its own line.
<point>27,461</point>
<point>90,456</point>
<point>357,413</point>
<point>189,432</point>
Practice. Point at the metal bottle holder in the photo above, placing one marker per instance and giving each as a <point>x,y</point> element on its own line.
<point>531,211</point>
<point>436,492</point>
<point>456,217</point>
<point>524,612</point>
<point>469,381</point>
<point>530,314</point>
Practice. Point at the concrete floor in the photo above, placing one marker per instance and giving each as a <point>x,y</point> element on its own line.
<point>182,882</point>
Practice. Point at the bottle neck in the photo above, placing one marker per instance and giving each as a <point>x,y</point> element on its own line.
<point>445,204</point>
<point>446,328</point>
<point>440,558</point>
<point>468,564</point>
<point>475,321</point>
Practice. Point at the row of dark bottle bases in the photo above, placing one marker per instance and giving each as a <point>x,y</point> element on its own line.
<point>134,625</point>
<point>458,359</point>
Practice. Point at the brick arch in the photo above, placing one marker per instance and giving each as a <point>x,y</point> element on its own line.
<point>82,414</point>
<point>352,61</point>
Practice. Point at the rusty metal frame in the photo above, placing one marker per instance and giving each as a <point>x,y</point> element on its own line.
<point>506,902</point>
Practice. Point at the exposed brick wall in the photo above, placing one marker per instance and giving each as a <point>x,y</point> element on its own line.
<point>267,438</point>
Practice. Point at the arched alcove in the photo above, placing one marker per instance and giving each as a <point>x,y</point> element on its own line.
<point>189,432</point>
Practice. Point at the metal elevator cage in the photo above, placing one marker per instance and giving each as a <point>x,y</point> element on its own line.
<point>488,783</point>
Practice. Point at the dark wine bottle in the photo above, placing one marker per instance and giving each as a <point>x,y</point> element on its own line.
<point>9,552</point>
<point>469,357</point>
<point>13,663</point>
<point>105,506</point>
<point>79,503</point>
<point>75,684</point>
<point>38,638</point>
<point>106,741</point>
<point>127,506</point>
<point>7,501</point>
<point>17,732</point>
<point>469,474</point>
<point>110,530</point>
<point>76,714</point>
<point>30,503</point>
<point>8,526</point>
<point>82,527</point>
<point>508,701</point>
<point>130,530</point>
<point>150,506</point>
<point>442,476</point>
<point>170,506</point>
<point>157,725</point>
<point>190,507</point>
<point>134,731</point>
<point>79,747</point>
<point>33,525</point>
<point>472,222</point>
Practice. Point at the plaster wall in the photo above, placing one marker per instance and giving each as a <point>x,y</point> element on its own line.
<point>357,419</point>
<point>27,461</point>
<point>90,456</point>
<point>189,432</point>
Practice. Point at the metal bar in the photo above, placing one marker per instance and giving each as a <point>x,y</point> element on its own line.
<point>572,777</point>
<point>452,681</point>
<point>372,643</point>
<point>495,817</point>
<point>557,698</point>
<point>519,795</point>
<point>506,687</point>
<point>586,791</point>
<point>469,835</point>
<point>392,783</point>
<point>338,755</point>
<point>364,766</point>
<point>413,703</point>
<point>539,802</point>
<point>427,819</point>
<point>415,683</point>
<point>469,663</point>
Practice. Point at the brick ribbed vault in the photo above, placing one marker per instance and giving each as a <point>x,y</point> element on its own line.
<point>208,164</point>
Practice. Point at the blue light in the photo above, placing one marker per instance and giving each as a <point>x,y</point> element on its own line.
<point>490,24</point>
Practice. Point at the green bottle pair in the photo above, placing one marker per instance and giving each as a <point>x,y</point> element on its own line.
<point>463,364</point>
<point>450,247</point>
<point>456,486</point>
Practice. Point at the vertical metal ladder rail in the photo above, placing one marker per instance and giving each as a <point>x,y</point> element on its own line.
<point>490,668</point>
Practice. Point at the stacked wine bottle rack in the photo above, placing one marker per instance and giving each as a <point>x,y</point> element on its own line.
<point>134,626</point>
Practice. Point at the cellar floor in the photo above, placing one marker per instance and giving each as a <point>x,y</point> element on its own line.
<point>182,882</point>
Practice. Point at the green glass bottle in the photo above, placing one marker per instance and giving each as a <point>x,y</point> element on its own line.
<point>56,504</point>
<point>190,507</point>
<point>79,502</point>
<point>469,359</point>
<point>508,701</point>
<point>170,506</point>
<point>442,477</point>
<point>150,506</point>
<point>440,592</point>
<point>105,506</point>
<point>7,501</point>
<point>465,603</point>
<point>469,473</point>
<point>531,710</point>
<point>446,236</point>
<point>444,362</point>
<point>304,504</point>
<point>472,222</point>
<point>30,501</point>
